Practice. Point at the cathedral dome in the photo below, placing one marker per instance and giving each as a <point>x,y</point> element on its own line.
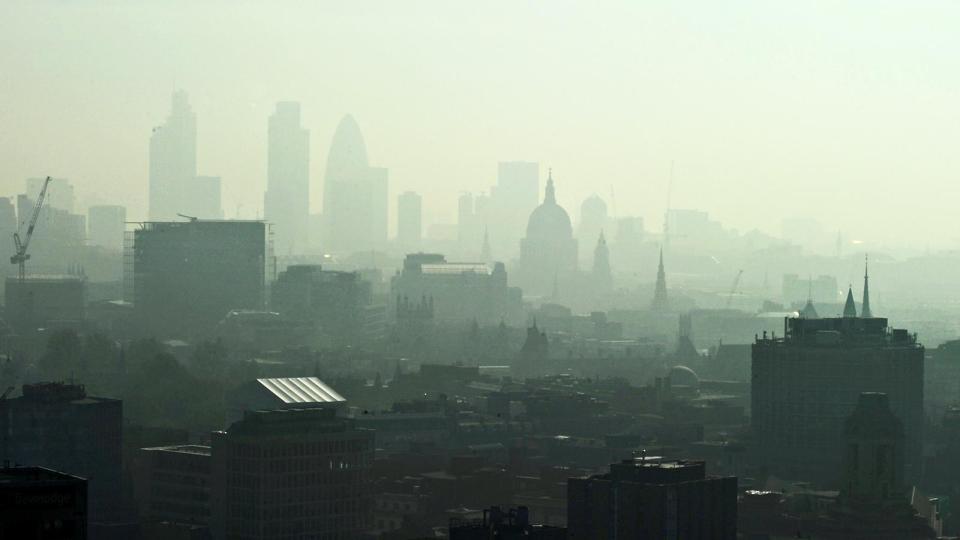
<point>549,220</point>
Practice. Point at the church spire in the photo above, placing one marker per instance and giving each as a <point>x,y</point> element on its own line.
<point>865,307</point>
<point>850,308</point>
<point>485,253</point>
<point>602,274</point>
<point>550,197</point>
<point>660,302</point>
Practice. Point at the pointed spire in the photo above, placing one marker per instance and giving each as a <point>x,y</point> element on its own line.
<point>660,302</point>
<point>602,274</point>
<point>808,311</point>
<point>866,313</point>
<point>485,252</point>
<point>550,197</point>
<point>850,308</point>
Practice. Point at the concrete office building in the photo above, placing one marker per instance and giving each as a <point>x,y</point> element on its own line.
<point>42,503</point>
<point>808,381</point>
<point>79,435</point>
<point>650,498</point>
<point>188,275</point>
<point>300,473</point>
<point>173,484</point>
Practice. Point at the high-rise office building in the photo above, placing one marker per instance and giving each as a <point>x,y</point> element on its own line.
<point>188,275</point>
<point>298,473</point>
<point>60,193</point>
<point>173,159</point>
<point>59,426</point>
<point>286,203</point>
<point>354,194</point>
<point>650,498</point>
<point>105,226</point>
<point>409,221</point>
<point>515,195</point>
<point>807,382</point>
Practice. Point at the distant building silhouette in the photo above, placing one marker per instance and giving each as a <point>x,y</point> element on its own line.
<point>593,219</point>
<point>286,203</point>
<point>865,310</point>
<point>173,159</point>
<point>459,292</point>
<point>660,301</point>
<point>602,275</point>
<point>339,304</point>
<point>409,221</point>
<point>354,194</point>
<point>514,196</point>
<point>549,250</point>
<point>105,226</point>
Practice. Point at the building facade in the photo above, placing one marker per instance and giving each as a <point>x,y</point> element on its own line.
<point>807,382</point>
<point>650,498</point>
<point>292,474</point>
<point>59,426</point>
<point>41,503</point>
<point>458,292</point>
<point>188,275</point>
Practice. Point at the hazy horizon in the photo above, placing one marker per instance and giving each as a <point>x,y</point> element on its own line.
<point>845,113</point>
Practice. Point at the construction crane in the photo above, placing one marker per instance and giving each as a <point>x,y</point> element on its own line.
<point>21,256</point>
<point>733,289</point>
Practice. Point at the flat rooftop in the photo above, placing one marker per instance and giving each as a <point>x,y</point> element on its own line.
<point>194,449</point>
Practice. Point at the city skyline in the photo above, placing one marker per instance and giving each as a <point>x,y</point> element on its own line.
<point>614,134</point>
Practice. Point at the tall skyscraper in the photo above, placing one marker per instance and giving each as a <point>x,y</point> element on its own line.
<point>173,159</point>
<point>515,195</point>
<point>354,194</point>
<point>409,221</point>
<point>286,203</point>
<point>106,224</point>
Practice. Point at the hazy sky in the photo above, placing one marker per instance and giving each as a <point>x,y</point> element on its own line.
<point>846,111</point>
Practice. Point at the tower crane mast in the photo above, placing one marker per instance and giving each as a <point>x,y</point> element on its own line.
<point>21,256</point>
